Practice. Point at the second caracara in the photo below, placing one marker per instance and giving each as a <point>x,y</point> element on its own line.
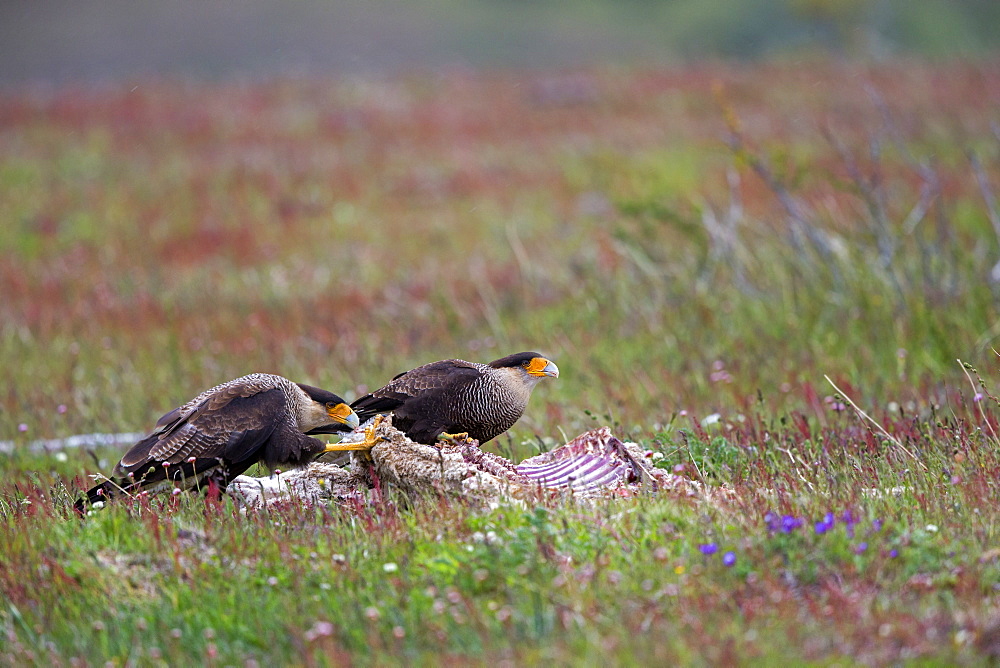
<point>455,396</point>
<point>225,430</point>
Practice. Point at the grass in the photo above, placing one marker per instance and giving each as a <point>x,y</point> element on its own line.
<point>696,248</point>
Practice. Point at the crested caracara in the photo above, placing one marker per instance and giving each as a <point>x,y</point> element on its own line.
<point>224,431</point>
<point>455,396</point>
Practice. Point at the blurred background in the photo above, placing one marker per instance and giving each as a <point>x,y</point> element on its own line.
<point>57,41</point>
<point>681,202</point>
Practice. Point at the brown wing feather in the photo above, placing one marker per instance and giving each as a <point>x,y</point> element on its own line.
<point>240,387</point>
<point>436,375</point>
<point>230,424</point>
<point>444,375</point>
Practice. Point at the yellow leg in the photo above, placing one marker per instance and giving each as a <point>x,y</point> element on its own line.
<point>344,447</point>
<point>371,440</point>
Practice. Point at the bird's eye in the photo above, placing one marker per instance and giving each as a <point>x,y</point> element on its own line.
<point>330,404</point>
<point>526,363</point>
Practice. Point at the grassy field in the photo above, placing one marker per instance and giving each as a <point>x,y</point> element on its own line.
<point>696,248</point>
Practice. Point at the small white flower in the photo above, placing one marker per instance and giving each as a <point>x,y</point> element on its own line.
<point>490,537</point>
<point>390,567</point>
<point>711,419</point>
<point>931,528</point>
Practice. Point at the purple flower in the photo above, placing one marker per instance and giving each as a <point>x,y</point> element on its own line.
<point>789,523</point>
<point>729,558</point>
<point>834,403</point>
<point>893,553</point>
<point>876,525</point>
<point>977,397</point>
<point>860,548</point>
<point>826,523</point>
<point>772,521</point>
<point>708,548</point>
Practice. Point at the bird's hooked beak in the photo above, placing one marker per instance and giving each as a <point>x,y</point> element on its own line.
<point>541,367</point>
<point>345,415</point>
<point>341,414</point>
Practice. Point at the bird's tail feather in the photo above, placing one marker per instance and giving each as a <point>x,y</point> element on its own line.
<point>100,493</point>
<point>187,475</point>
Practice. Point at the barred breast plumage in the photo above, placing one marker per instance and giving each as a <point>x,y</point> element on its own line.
<point>450,396</point>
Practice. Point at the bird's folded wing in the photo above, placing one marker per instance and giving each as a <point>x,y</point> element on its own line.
<point>225,424</point>
<point>447,373</point>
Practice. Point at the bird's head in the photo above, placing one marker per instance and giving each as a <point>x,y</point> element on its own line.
<point>326,413</point>
<point>530,367</point>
